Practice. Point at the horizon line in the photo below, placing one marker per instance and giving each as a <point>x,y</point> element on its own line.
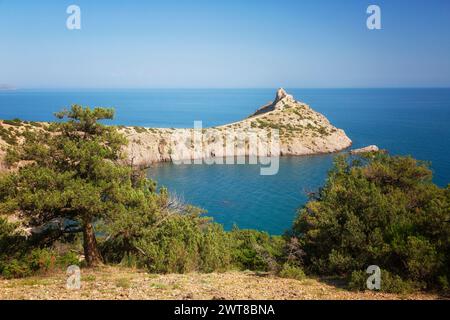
<point>218,88</point>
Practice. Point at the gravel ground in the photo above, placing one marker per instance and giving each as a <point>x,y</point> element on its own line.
<point>123,283</point>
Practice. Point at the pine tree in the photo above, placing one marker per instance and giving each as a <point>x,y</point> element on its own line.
<point>74,174</point>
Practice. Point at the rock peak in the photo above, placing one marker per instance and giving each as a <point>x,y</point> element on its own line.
<point>281,93</point>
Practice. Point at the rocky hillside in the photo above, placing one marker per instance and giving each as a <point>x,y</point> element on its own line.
<point>301,131</point>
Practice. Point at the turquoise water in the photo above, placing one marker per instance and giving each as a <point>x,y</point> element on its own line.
<point>404,121</point>
<point>238,194</point>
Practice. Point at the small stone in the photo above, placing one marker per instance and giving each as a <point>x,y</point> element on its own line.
<point>371,148</point>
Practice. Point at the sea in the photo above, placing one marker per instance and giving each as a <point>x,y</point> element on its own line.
<point>404,121</point>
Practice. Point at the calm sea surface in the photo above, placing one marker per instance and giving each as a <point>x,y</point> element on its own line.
<point>404,121</point>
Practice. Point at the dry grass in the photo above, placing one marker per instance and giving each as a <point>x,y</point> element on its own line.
<point>123,283</point>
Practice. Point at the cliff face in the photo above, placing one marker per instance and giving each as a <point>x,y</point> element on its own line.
<point>301,131</point>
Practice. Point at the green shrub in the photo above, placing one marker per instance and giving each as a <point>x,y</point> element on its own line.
<point>41,260</point>
<point>215,249</point>
<point>323,131</point>
<point>11,157</point>
<point>131,261</point>
<point>35,124</point>
<point>67,259</point>
<point>173,247</point>
<point>357,281</point>
<point>12,242</point>
<point>15,268</point>
<point>443,283</point>
<point>378,210</point>
<point>8,136</point>
<point>179,244</point>
<point>256,250</point>
<point>14,122</point>
<point>36,261</point>
<point>18,258</point>
<point>292,272</point>
<point>140,129</point>
<point>390,283</point>
<point>187,243</point>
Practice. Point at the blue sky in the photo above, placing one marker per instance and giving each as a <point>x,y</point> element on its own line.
<point>233,43</point>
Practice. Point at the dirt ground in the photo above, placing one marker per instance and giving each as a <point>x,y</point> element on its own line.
<point>124,283</point>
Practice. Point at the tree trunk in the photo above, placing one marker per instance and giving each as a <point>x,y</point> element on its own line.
<point>91,253</point>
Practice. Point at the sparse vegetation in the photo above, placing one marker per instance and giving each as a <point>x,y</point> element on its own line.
<point>140,129</point>
<point>292,272</point>
<point>14,122</point>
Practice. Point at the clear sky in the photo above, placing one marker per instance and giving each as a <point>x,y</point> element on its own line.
<point>224,43</point>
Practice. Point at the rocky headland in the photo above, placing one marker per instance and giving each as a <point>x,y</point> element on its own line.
<point>301,131</point>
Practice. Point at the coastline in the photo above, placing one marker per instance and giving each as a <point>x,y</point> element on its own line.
<point>300,131</point>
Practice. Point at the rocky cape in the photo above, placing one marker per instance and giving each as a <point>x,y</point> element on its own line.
<point>301,131</point>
